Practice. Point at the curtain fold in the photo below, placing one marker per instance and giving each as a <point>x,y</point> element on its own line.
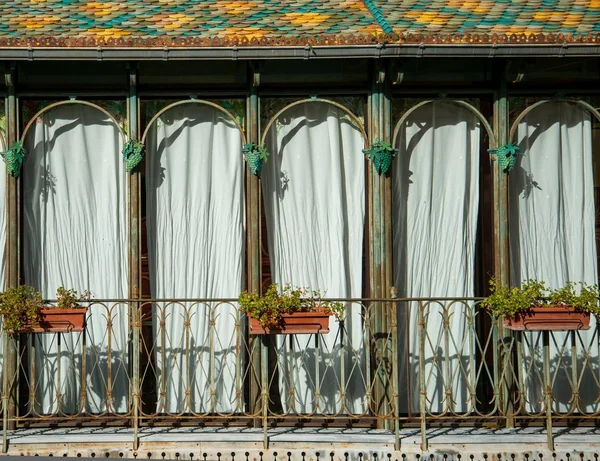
<point>314,204</point>
<point>553,237</point>
<point>196,245</point>
<point>435,206</point>
<point>75,235</point>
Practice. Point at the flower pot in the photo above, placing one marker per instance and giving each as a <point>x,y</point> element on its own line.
<point>55,320</point>
<point>548,318</point>
<point>296,323</point>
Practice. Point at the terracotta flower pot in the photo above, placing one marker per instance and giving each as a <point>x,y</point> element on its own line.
<point>548,318</point>
<point>55,320</point>
<point>296,323</point>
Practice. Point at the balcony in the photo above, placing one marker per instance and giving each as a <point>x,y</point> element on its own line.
<point>395,371</point>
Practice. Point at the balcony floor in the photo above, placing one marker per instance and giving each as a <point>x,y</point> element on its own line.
<point>314,444</point>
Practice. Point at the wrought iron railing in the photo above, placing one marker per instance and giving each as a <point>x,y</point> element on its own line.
<point>388,363</point>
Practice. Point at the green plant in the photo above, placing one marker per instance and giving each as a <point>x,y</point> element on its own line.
<point>508,301</point>
<point>13,158</point>
<point>381,154</point>
<point>66,298</point>
<point>133,153</point>
<point>507,156</point>
<point>268,309</point>
<point>20,307</point>
<point>255,156</point>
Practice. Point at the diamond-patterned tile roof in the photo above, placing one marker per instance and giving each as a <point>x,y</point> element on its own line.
<point>276,22</point>
<point>492,16</point>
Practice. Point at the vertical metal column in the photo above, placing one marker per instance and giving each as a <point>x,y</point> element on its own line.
<point>11,346</point>
<point>380,250</point>
<point>501,237</point>
<point>134,259</point>
<point>257,345</point>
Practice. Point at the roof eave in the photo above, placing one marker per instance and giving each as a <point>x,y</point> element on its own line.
<point>113,53</point>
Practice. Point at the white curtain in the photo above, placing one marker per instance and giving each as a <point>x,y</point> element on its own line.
<point>196,236</point>
<point>435,205</point>
<point>75,235</point>
<point>314,197</point>
<point>552,236</point>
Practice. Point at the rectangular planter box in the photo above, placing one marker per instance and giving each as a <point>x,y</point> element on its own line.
<point>298,323</point>
<point>548,318</point>
<point>60,321</point>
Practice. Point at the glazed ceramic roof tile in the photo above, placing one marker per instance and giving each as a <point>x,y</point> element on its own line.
<point>281,22</point>
<point>492,16</point>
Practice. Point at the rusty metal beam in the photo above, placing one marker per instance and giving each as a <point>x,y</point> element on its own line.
<point>379,235</point>
<point>501,227</point>
<point>134,259</point>
<point>10,376</point>
<point>253,238</point>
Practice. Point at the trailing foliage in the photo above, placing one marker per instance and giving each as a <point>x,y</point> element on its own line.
<point>381,154</point>
<point>133,153</point>
<point>507,301</point>
<point>20,308</point>
<point>255,156</point>
<point>66,298</point>
<point>507,156</point>
<point>268,309</point>
<point>13,158</point>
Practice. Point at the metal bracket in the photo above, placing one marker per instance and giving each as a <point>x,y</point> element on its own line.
<point>396,71</point>
<point>234,53</point>
<point>381,75</point>
<point>308,51</point>
<point>165,54</point>
<point>99,53</point>
<point>8,79</point>
<point>563,50</point>
<point>132,78</point>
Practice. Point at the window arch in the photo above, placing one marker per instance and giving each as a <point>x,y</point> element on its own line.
<point>74,201</point>
<point>553,228</point>
<point>195,222</point>
<point>314,194</point>
<point>435,206</point>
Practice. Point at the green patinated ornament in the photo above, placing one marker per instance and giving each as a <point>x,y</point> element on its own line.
<point>133,153</point>
<point>507,156</point>
<point>255,156</point>
<point>381,154</point>
<point>13,158</point>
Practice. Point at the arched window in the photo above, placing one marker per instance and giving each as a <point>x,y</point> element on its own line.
<point>553,239</point>
<point>314,203</point>
<point>74,203</point>
<point>435,215</point>
<point>195,218</point>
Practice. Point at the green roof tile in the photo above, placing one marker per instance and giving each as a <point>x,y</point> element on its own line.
<point>267,19</point>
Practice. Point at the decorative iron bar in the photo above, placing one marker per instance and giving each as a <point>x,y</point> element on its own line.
<point>438,360</point>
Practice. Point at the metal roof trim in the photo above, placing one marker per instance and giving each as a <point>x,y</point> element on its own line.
<point>295,52</point>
